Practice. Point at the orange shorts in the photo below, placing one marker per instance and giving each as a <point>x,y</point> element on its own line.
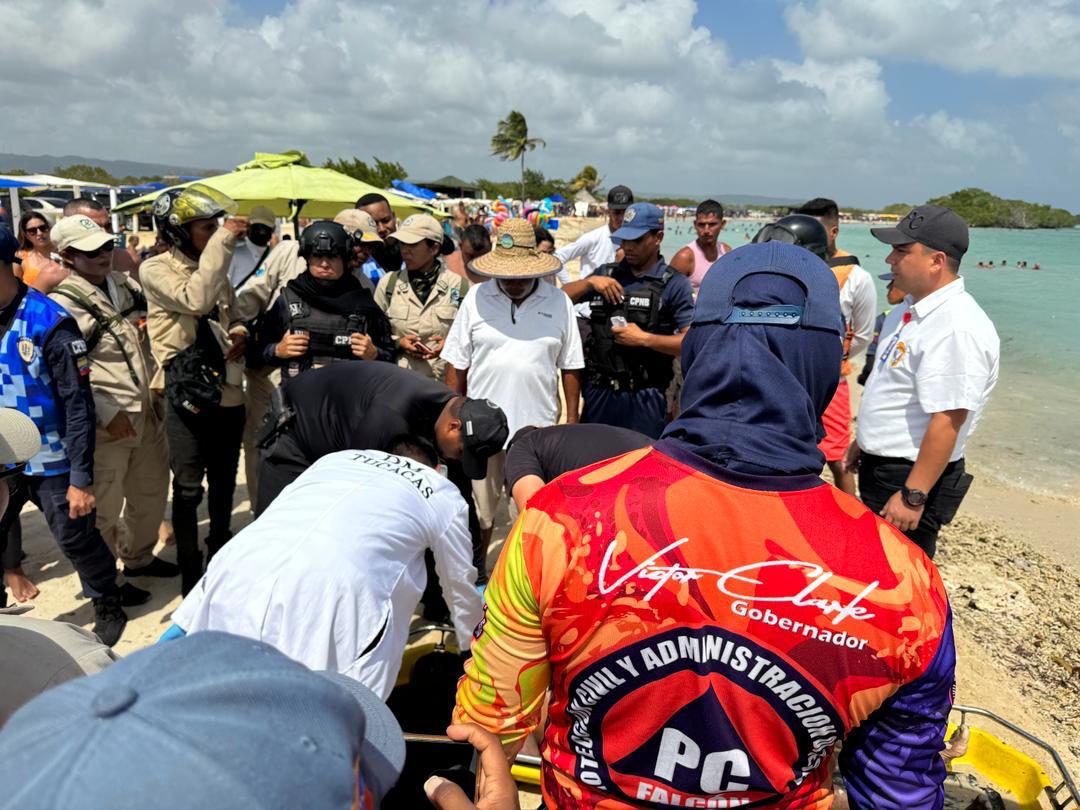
<point>837,422</point>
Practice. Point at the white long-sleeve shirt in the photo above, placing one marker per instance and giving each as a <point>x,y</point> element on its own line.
<point>858,304</point>
<point>331,573</point>
<point>594,248</point>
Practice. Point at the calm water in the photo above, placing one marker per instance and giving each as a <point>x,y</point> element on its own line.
<point>1030,433</point>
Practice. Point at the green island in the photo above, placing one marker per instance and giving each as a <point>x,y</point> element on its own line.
<point>981,209</point>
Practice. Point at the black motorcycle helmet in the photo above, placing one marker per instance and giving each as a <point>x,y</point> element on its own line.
<point>326,238</point>
<point>176,208</point>
<point>801,230</point>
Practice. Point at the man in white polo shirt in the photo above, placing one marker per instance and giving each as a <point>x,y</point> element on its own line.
<point>936,364</point>
<point>512,340</point>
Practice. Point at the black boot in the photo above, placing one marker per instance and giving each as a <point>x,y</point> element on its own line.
<point>214,544</point>
<point>109,619</point>
<point>191,571</point>
<point>130,596</point>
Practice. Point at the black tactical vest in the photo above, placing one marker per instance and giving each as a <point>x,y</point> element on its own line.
<point>329,335</point>
<point>629,368</point>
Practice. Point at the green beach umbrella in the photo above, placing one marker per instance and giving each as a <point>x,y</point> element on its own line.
<point>288,187</point>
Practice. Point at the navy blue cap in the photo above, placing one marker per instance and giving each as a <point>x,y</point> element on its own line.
<point>717,300</point>
<point>640,219</point>
<point>8,245</point>
<point>210,720</point>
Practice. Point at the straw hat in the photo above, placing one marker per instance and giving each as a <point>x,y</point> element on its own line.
<point>514,254</point>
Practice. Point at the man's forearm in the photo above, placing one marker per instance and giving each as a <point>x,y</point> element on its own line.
<point>457,379</point>
<point>576,290</point>
<point>937,445</point>
<point>666,344</point>
<point>571,386</point>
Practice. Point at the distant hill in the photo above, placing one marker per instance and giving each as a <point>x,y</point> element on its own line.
<point>734,200</point>
<point>45,164</point>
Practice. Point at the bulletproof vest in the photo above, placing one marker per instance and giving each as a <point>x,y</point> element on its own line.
<point>628,368</point>
<point>27,385</point>
<point>329,335</point>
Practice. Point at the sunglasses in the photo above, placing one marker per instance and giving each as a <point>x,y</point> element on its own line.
<point>38,229</point>
<point>93,254</point>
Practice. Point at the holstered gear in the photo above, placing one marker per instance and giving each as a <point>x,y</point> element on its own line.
<point>629,368</point>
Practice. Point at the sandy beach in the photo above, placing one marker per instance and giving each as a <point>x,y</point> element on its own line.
<point>1009,561</point>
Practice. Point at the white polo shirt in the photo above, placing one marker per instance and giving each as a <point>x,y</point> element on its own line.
<point>939,354</point>
<point>332,571</point>
<point>514,354</point>
<point>595,249</point>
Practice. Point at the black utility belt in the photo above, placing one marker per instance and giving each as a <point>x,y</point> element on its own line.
<point>870,458</point>
<point>630,386</point>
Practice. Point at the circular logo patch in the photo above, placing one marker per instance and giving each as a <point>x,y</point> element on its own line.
<point>630,214</point>
<point>162,205</point>
<point>506,241</point>
<point>26,349</point>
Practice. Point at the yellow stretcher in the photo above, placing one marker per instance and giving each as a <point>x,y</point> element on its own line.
<point>980,764</point>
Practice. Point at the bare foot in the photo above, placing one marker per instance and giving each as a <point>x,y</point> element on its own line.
<point>20,585</point>
<point>165,533</point>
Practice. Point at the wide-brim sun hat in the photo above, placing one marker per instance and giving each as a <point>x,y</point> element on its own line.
<point>514,254</point>
<point>19,437</point>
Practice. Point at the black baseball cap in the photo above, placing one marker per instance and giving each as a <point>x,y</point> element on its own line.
<point>934,226</point>
<point>484,432</point>
<point>620,198</point>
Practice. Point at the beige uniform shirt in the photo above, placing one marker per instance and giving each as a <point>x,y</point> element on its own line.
<point>179,291</point>
<point>121,365</point>
<point>408,316</point>
<point>259,292</point>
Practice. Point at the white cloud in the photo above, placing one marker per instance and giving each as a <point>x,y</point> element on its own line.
<point>1004,37</point>
<point>629,86</point>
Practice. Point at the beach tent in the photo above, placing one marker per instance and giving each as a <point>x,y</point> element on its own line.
<point>39,181</point>
<point>582,201</point>
<point>413,190</point>
<point>287,187</point>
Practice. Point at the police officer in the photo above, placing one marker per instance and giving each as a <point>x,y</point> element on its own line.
<point>324,315</point>
<point>131,461</point>
<point>45,374</point>
<point>422,300</point>
<point>640,309</point>
<point>199,343</point>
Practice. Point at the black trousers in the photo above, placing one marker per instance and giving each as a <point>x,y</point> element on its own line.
<point>78,538</point>
<point>279,466</point>
<point>880,478</point>
<point>202,445</point>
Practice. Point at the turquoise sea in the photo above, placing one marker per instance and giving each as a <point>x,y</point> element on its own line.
<point>1029,435</point>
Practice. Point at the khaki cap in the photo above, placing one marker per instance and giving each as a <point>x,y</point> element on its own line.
<point>360,224</point>
<point>417,227</point>
<point>261,215</point>
<point>78,232</point>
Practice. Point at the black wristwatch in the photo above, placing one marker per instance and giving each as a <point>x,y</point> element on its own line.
<point>913,498</point>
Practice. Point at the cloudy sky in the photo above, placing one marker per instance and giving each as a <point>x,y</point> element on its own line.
<point>868,102</point>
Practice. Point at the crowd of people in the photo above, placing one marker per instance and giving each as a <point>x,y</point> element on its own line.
<point>684,612</point>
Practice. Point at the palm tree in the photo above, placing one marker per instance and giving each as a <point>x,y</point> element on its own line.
<point>511,141</point>
<point>588,179</point>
